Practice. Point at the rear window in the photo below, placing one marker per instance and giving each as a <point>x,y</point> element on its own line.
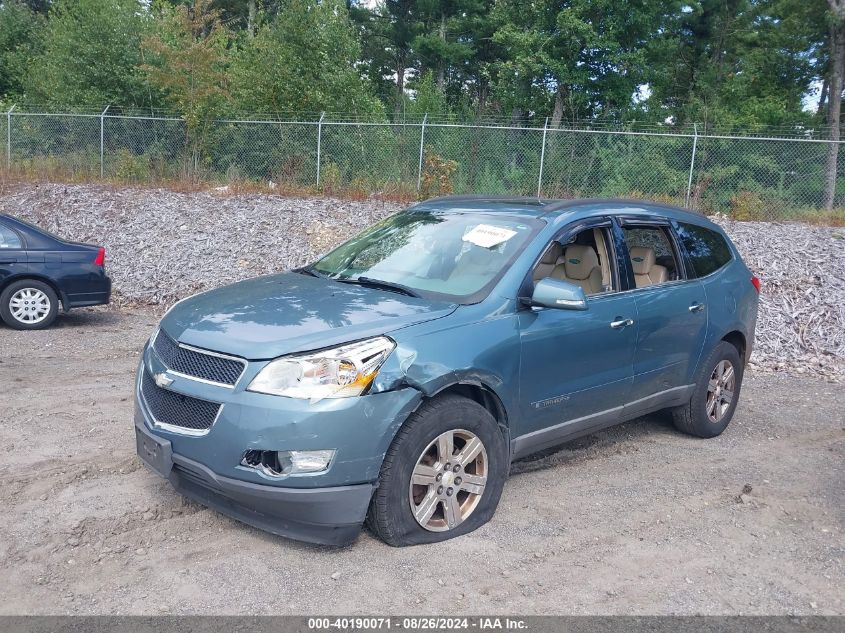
<point>708,251</point>
<point>8,238</point>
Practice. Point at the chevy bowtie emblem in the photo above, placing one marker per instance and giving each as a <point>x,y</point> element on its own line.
<point>163,380</point>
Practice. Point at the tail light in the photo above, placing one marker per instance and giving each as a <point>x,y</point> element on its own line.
<point>755,281</point>
<point>101,257</point>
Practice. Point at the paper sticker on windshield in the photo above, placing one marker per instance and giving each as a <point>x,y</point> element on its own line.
<point>488,236</point>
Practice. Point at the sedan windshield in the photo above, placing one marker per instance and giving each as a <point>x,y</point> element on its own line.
<point>453,256</point>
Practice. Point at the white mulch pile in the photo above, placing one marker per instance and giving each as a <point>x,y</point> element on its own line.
<point>162,245</point>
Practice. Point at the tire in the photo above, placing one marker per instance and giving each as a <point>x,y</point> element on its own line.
<point>28,304</point>
<point>419,443</point>
<point>701,416</point>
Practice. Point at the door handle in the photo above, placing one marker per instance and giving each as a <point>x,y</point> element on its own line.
<point>696,307</point>
<point>616,325</point>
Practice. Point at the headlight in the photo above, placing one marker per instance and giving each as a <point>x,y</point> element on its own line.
<point>340,372</point>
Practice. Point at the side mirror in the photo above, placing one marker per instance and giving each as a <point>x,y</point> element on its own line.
<point>558,294</point>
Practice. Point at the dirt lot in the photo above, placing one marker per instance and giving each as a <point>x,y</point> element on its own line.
<point>638,519</point>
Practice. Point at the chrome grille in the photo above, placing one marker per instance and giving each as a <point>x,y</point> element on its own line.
<point>176,409</point>
<point>195,363</point>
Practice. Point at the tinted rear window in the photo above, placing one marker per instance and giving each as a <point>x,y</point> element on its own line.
<point>707,250</point>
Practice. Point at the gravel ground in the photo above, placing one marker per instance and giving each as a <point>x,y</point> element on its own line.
<point>163,245</point>
<point>634,520</point>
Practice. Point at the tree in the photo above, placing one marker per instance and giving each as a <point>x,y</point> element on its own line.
<point>387,33</point>
<point>21,32</point>
<point>587,55</point>
<point>186,63</point>
<point>836,19</point>
<point>305,61</point>
<point>92,51</point>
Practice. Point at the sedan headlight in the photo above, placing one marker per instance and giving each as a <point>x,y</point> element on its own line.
<point>340,372</point>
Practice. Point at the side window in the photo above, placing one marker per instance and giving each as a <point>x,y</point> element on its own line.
<point>707,250</point>
<point>652,254</point>
<point>8,238</point>
<point>585,260</point>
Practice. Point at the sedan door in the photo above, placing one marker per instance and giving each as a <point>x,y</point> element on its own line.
<point>576,365</point>
<point>13,257</point>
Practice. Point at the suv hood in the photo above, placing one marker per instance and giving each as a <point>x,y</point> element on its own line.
<point>281,314</point>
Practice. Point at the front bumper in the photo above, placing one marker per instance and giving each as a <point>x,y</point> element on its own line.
<point>329,516</point>
<point>327,507</point>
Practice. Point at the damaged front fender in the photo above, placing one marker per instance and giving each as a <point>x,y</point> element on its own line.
<point>483,353</point>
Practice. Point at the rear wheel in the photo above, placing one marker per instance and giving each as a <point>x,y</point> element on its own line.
<point>442,476</point>
<point>29,305</point>
<point>716,394</point>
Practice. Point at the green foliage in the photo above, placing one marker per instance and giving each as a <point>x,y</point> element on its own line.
<point>747,205</point>
<point>429,99</point>
<point>21,33</point>
<point>130,168</point>
<point>303,61</point>
<point>186,64</point>
<point>91,55</point>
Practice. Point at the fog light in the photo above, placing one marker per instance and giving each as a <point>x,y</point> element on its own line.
<point>283,463</point>
<point>299,462</point>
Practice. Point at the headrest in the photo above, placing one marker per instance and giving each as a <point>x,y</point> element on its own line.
<point>579,260</point>
<point>553,254</point>
<point>642,259</point>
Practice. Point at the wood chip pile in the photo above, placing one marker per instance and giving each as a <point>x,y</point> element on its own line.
<point>801,321</point>
<point>162,245</point>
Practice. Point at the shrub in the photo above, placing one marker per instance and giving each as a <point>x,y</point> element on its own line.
<point>437,175</point>
<point>747,205</point>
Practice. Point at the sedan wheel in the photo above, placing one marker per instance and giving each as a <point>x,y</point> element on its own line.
<point>30,306</point>
<point>448,480</point>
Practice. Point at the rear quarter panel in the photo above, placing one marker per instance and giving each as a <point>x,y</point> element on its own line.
<point>732,301</point>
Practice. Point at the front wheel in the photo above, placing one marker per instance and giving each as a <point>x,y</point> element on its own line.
<point>442,476</point>
<point>29,305</point>
<point>716,394</point>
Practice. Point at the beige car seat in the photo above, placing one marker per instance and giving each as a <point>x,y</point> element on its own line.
<point>580,266</point>
<point>646,272</point>
<point>548,261</point>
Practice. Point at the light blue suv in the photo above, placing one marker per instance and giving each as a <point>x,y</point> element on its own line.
<point>395,379</point>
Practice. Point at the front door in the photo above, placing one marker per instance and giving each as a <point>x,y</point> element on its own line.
<point>577,366</point>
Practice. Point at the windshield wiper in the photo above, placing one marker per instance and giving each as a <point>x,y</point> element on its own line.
<point>307,270</point>
<point>378,283</point>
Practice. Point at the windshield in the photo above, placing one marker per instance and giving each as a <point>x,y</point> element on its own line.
<point>452,256</point>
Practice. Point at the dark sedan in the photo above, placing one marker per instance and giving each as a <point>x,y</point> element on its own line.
<point>40,273</point>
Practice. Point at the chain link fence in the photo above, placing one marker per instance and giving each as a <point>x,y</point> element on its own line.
<point>745,177</point>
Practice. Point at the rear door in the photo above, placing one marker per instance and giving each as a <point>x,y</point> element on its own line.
<point>13,258</point>
<point>671,311</point>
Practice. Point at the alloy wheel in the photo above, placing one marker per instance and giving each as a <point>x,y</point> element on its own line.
<point>720,391</point>
<point>29,305</point>
<point>448,480</point>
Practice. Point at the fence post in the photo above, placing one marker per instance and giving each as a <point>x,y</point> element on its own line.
<point>691,164</point>
<point>102,136</point>
<point>319,142</point>
<point>542,157</point>
<point>422,140</point>
<point>9,137</point>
